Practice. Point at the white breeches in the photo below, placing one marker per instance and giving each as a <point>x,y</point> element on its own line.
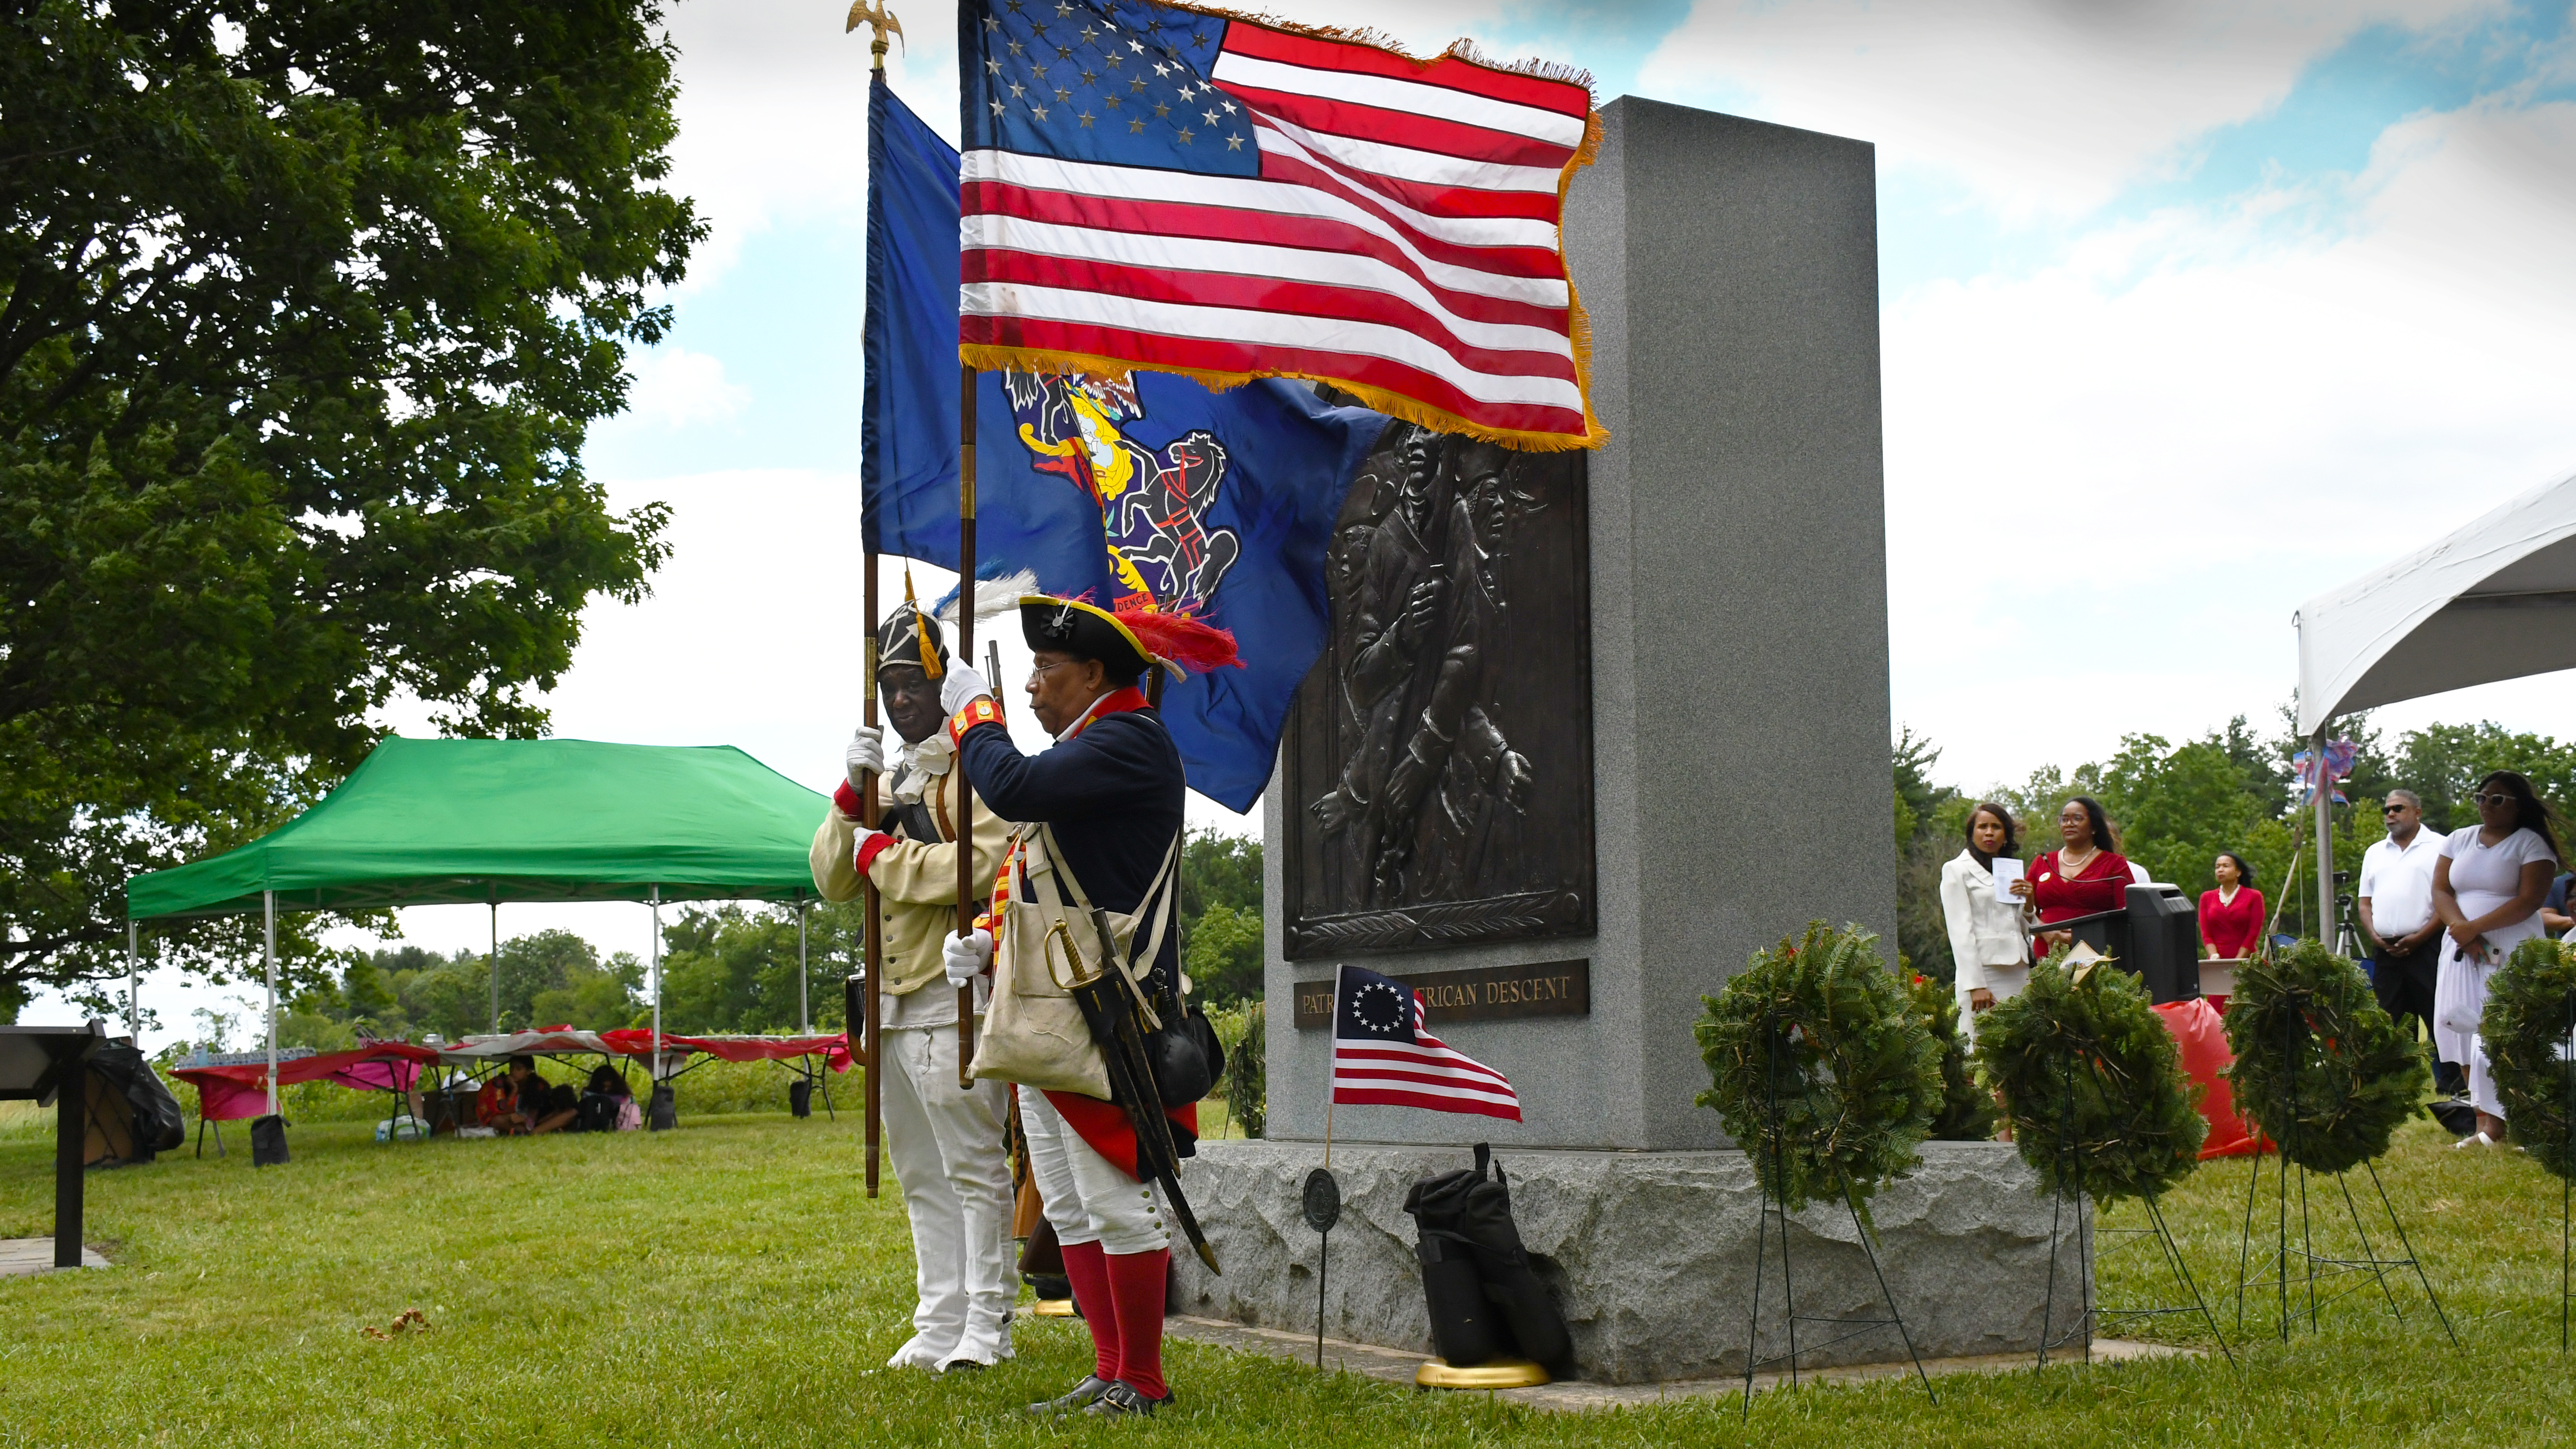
<point>947,1151</point>
<point>1087,1197</point>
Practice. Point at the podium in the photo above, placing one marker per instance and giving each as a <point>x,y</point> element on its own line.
<point>43,1064</point>
<point>2155,937</point>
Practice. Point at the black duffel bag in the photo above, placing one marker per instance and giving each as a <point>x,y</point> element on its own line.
<point>1185,1056</point>
<point>1465,1220</point>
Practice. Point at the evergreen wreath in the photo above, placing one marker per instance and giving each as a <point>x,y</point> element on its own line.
<point>2320,1067</point>
<point>1819,1067</point>
<point>1967,1109</point>
<point>2091,1082</point>
<point>2530,1003</point>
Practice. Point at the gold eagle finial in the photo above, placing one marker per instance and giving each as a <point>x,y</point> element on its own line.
<point>879,19</point>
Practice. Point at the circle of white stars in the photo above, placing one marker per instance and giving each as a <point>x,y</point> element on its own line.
<point>1365,1006</point>
<point>1081,59</point>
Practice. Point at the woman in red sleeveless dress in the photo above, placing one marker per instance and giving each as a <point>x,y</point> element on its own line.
<point>2083,875</point>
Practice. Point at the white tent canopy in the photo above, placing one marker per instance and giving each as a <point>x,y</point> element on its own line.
<point>2494,600</point>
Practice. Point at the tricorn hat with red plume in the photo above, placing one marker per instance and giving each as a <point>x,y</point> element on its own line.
<point>1129,640</point>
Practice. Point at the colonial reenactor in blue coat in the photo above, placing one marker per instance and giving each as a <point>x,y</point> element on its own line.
<point>1108,794</point>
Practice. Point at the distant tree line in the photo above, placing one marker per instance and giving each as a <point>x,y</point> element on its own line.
<point>2176,806</point>
<point>725,968</point>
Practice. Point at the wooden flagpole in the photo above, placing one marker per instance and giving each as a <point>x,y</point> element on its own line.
<point>880,20</point>
<point>965,657</point>
<point>864,1033</point>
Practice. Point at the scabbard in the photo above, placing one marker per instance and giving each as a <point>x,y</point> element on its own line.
<point>1131,1086</point>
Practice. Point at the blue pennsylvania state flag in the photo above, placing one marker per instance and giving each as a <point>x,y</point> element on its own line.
<point>1152,489</point>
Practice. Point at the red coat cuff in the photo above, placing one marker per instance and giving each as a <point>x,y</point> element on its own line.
<point>981,710</point>
<point>846,800</point>
<point>870,848</point>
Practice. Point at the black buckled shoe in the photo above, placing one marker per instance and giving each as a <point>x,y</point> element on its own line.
<point>1123,1398</point>
<point>1084,1393</point>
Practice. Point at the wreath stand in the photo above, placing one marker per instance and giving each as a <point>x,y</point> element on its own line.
<point>2303,1266</point>
<point>2566,1181</point>
<point>1776,1036</point>
<point>2088,1314</point>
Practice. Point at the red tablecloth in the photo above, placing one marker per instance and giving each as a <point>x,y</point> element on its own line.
<point>228,1093</point>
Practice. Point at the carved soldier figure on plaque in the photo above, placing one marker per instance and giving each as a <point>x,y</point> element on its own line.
<point>1428,687</point>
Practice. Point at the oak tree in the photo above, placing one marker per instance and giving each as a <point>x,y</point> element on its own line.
<point>305,306</point>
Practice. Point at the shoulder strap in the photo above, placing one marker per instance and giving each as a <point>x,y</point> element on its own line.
<point>1160,887</point>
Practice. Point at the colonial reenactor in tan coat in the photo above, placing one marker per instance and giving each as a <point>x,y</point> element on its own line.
<point>946,1142</point>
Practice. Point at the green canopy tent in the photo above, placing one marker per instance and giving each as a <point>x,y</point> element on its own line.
<point>445,822</point>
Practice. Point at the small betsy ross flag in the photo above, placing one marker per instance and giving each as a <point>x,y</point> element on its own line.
<point>1383,1057</point>
<point>1154,186</point>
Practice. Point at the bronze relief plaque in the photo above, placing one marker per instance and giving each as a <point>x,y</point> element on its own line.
<point>1439,758</point>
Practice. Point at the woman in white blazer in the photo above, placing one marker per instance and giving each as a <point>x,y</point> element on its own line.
<point>1988,941</point>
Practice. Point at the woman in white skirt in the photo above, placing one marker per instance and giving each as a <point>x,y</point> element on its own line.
<point>1987,942</point>
<point>2487,889</point>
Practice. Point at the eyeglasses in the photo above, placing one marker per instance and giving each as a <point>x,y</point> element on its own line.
<point>1040,672</point>
<point>2393,810</point>
<point>2497,798</point>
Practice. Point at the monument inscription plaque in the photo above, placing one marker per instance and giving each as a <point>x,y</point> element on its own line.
<point>1440,755</point>
<point>1484,993</point>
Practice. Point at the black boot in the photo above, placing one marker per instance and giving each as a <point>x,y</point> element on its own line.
<point>1091,1388</point>
<point>1121,1399</point>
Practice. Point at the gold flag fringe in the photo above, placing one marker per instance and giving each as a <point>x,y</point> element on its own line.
<point>1375,39</point>
<point>986,357</point>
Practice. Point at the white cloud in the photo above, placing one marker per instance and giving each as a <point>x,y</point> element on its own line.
<point>676,388</point>
<point>2111,482</point>
<point>773,112</point>
<point>2042,108</point>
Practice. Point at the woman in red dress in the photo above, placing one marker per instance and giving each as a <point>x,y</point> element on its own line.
<point>2082,876</point>
<point>2231,917</point>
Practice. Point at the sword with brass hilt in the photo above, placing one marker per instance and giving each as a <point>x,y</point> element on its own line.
<point>1115,1011</point>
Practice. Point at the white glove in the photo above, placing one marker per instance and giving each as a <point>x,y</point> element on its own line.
<point>964,956</point>
<point>960,685</point>
<point>866,756</point>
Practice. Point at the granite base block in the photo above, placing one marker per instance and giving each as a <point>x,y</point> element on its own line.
<point>1651,1253</point>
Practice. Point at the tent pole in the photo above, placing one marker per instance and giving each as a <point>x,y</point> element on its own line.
<point>657,985</point>
<point>862,1035</point>
<point>495,959</point>
<point>804,1014</point>
<point>268,915</point>
<point>2325,842</point>
<point>966,657</point>
<point>133,975</point>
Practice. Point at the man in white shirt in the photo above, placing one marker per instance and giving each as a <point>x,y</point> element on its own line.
<point>2396,906</point>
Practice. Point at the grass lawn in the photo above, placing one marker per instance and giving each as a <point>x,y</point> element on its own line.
<point>727,1284</point>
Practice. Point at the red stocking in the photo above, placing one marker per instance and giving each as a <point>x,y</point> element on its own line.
<point>1136,1281</point>
<point>1087,1268</point>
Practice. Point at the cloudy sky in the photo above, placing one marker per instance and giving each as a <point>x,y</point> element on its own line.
<point>2192,310</point>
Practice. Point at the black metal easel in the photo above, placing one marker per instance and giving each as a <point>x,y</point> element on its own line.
<point>2090,1316</point>
<point>1776,1041</point>
<point>2319,1267</point>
